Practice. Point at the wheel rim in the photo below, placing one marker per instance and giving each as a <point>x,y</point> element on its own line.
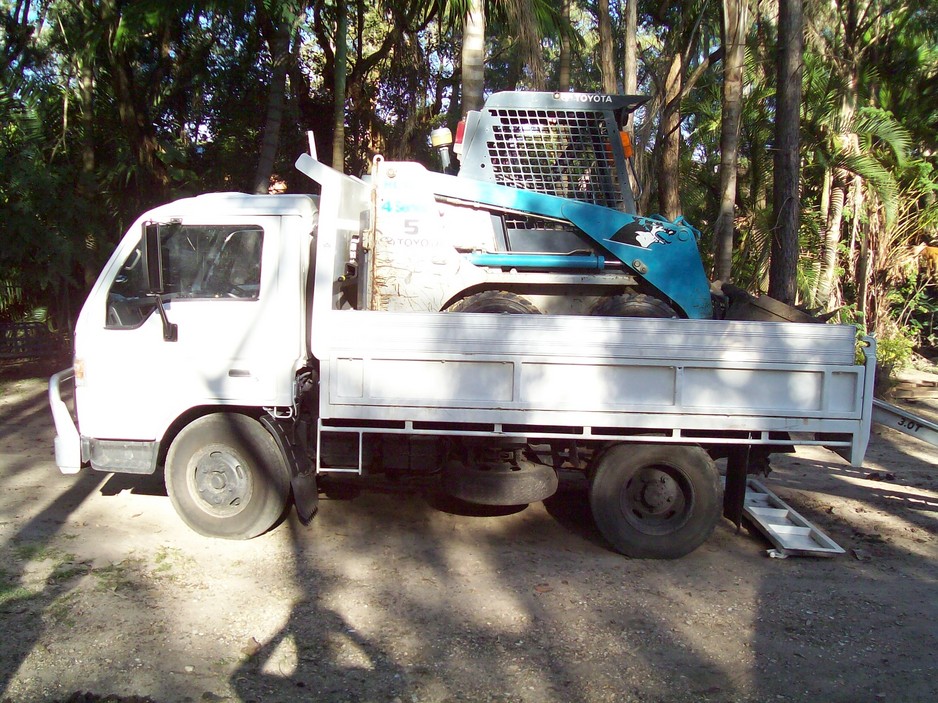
<point>656,500</point>
<point>219,483</point>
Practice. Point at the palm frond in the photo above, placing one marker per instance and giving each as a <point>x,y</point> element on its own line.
<point>870,169</point>
<point>883,125</point>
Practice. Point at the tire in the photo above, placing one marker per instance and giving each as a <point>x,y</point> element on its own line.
<point>226,477</point>
<point>497,301</point>
<point>655,501</point>
<point>499,485</point>
<point>633,305</point>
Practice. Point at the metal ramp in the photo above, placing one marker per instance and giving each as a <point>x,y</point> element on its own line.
<point>790,532</point>
<point>898,419</point>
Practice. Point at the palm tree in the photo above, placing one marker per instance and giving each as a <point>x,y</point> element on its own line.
<point>275,24</point>
<point>844,39</point>
<point>735,28</point>
<point>473,56</point>
<point>529,18</point>
<point>787,172</point>
<point>607,65</point>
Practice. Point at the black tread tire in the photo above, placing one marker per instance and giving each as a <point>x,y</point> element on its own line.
<point>633,305</point>
<point>242,447</point>
<point>528,484</point>
<point>692,500</point>
<point>497,301</point>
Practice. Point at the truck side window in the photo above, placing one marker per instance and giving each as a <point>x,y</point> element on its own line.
<point>127,302</point>
<point>199,262</point>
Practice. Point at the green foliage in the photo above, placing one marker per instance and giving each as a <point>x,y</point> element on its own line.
<point>38,214</point>
<point>108,108</point>
<point>894,351</point>
<point>913,307</point>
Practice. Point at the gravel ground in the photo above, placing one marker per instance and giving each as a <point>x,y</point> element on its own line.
<point>401,597</point>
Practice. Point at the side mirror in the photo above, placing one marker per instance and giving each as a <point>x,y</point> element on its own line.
<point>153,258</point>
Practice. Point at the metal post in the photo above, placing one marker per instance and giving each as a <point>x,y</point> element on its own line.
<point>734,494</point>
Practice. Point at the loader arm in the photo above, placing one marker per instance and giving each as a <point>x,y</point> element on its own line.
<point>658,251</point>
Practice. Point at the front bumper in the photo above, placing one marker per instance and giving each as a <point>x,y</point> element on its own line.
<point>68,444</point>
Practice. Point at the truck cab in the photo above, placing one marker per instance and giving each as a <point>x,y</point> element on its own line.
<point>235,273</point>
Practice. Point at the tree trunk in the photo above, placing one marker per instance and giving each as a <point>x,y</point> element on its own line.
<point>831,240</point>
<point>529,39</point>
<point>669,137</point>
<point>341,74</point>
<point>279,45</point>
<point>856,207</point>
<point>759,167</point>
<point>138,126</point>
<point>563,68</point>
<point>735,27</point>
<point>630,61</point>
<point>847,66</point>
<point>861,231</point>
<point>86,100</point>
<point>515,70</point>
<point>473,57</point>
<point>830,243</point>
<point>607,64</point>
<point>826,184</point>
<point>133,107</point>
<point>783,269</point>
<point>87,187</point>
<point>630,87</point>
<point>314,112</point>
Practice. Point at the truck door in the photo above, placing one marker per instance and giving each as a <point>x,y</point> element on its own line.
<point>223,291</point>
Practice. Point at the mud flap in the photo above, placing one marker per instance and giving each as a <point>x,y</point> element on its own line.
<point>303,478</point>
<point>305,496</point>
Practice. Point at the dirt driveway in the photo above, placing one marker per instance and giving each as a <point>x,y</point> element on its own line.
<point>395,597</point>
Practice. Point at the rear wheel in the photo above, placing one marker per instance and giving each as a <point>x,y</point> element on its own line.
<point>655,501</point>
<point>633,305</point>
<point>497,301</point>
<point>226,477</point>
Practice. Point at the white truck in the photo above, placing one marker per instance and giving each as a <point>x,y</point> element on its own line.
<point>260,348</point>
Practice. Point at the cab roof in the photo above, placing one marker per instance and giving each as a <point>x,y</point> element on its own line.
<point>237,204</point>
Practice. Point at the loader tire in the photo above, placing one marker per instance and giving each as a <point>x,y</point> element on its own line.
<point>633,305</point>
<point>497,301</point>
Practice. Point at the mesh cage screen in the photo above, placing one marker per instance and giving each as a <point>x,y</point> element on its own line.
<point>567,153</point>
<point>537,224</point>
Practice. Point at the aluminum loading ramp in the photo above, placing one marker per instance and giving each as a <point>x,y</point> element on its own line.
<point>898,419</point>
<point>791,533</point>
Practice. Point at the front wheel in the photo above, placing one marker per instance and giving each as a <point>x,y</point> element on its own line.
<point>655,501</point>
<point>226,477</point>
